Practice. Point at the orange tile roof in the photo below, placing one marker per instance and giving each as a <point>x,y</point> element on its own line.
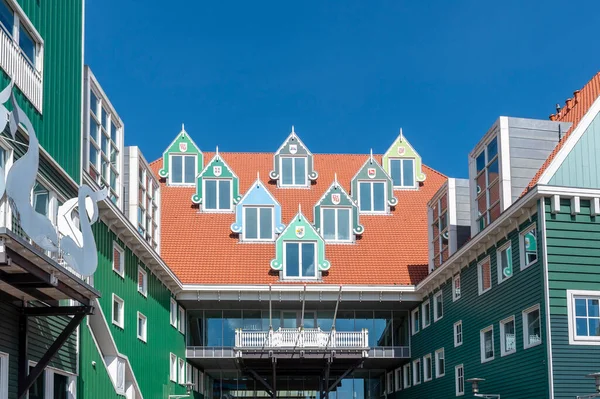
<point>200,247</point>
<point>575,108</point>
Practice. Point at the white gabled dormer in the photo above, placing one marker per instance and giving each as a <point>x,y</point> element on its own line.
<point>293,164</point>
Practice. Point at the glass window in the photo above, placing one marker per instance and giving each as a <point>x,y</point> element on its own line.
<point>7,17</point>
<point>440,232</point>
<point>61,386</point>
<point>440,363</point>
<point>485,276</point>
<point>141,327</point>
<point>416,321</point>
<point>173,313</point>
<point>173,368</point>
<point>458,334</point>
<point>456,290</point>
<point>372,196</point>
<point>190,169</point>
<point>217,195</point>
<point>41,199</point>
<point>142,281</point>
<point>587,317</point>
<point>426,313</point>
<point>438,306</point>
<point>335,224</point>
<point>416,372</point>
<point>118,259</point>
<point>181,371</point>
<point>93,103</point>
<point>183,169</point>
<point>37,390</point>
<point>532,328</point>
<point>528,247</point>
<point>508,343</point>
<point>181,326</point>
<point>176,169</point>
<point>293,171</point>
<point>427,368</point>
<point>117,311</point>
<point>459,374</point>
<point>488,185</point>
<point>487,344</point>
<point>300,259</point>
<point>406,375</point>
<point>402,172</point>
<point>258,223</point>
<point>27,44</point>
<point>504,263</point>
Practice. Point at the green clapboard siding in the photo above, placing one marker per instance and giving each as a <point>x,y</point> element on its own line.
<point>573,253</point>
<point>150,361</point>
<point>504,375</point>
<point>59,128</point>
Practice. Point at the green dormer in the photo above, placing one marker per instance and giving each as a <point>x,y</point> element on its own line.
<point>217,186</point>
<point>403,164</point>
<point>293,164</point>
<point>372,188</point>
<point>181,161</point>
<point>300,251</point>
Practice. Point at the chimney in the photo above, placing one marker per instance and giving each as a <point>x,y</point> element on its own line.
<point>552,117</point>
<point>569,103</point>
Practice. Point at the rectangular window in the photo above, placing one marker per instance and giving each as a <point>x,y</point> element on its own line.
<point>402,172</point>
<point>438,305</point>
<point>458,333</point>
<point>141,326</point>
<point>336,224</point>
<point>181,326</point>
<point>416,321</point>
<point>532,327</point>
<point>181,371</point>
<point>487,185</point>
<point>118,309</point>
<point>142,281</point>
<point>118,260</point>
<point>217,194</point>
<point>7,18</point>
<point>504,262</point>
<point>440,363</point>
<point>508,342</point>
<point>173,313</point>
<point>398,379</point>
<point>484,274</point>
<point>439,230</point>
<point>300,258</point>
<point>426,310</point>
<point>183,169</point>
<point>406,375</point>
<point>41,199</point>
<point>459,376</point>
<point>4,357</point>
<point>293,171</point>
<point>173,368</point>
<point>416,367</point>
<point>456,284</point>
<point>486,337</point>
<point>372,196</point>
<point>427,367</point>
<point>390,382</point>
<point>584,317</point>
<point>258,223</point>
<point>528,247</point>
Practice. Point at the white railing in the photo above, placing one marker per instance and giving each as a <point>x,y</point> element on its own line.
<point>26,77</point>
<point>301,338</point>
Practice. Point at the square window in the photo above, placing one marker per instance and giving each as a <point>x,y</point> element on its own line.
<point>416,371</point>
<point>406,375</point>
<point>293,171</point>
<point>508,337</point>
<point>458,334</point>
<point>416,321</point>
<point>372,197</point>
<point>528,245</point>
<point>173,367</point>
<point>299,260</point>
<point>118,309</point>
<point>336,224</point>
<point>402,172</point>
<point>141,326</point>
<point>142,281</point>
<point>459,377</point>
<point>181,325</point>
<point>217,194</point>
<point>398,379</point>
<point>486,337</point>
<point>258,223</point>
<point>438,305</point>
<point>584,317</point>
<point>484,273</point>
<point>173,313</point>
<point>456,287</point>
<point>532,327</point>
<point>440,363</point>
<point>118,264</point>
<point>426,309</point>
<point>427,367</point>
<point>504,262</point>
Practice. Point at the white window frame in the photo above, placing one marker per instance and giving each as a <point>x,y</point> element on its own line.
<point>217,210</point>
<point>5,211</point>
<point>416,367</point>
<point>144,288</point>
<point>183,183</point>
<point>301,277</point>
<point>181,371</point>
<point>526,344</point>
<point>173,314</point>
<point>336,209</point>
<point>390,382</point>
<point>398,379</point>
<point>426,315</point>
<point>458,343</point>
<point>189,373</point>
<point>4,365</point>
<point>144,335</point>
<point>427,372</point>
<point>173,367</point>
<point>385,199</point>
<point>499,266</point>
<point>524,265</point>
<point>402,185</point>
<point>439,294</point>
<point>480,275</point>
<point>181,320</point>
<point>415,315</point>
<point>503,350</point>
<point>406,376</point>
<point>258,208</point>
<point>482,344</point>
<point>456,295</point>
<point>121,322</point>
<point>457,377</point>
<point>294,185</point>
<point>121,270</point>
<point>575,339</point>
<point>437,362</point>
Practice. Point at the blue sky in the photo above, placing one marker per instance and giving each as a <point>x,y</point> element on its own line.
<point>348,74</point>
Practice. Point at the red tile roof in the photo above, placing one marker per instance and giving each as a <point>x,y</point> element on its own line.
<point>575,108</point>
<point>200,247</point>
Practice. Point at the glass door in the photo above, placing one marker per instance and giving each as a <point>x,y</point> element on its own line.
<point>289,319</point>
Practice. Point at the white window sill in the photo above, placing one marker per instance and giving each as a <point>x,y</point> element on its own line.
<point>527,265</point>
<point>487,360</point>
<point>120,325</point>
<point>532,345</point>
<point>483,292</point>
<point>508,353</point>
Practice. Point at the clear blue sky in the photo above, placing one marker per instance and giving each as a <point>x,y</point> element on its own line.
<point>348,74</point>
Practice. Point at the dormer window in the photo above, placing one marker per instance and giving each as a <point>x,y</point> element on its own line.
<point>402,172</point>
<point>258,223</point>
<point>299,260</point>
<point>181,161</point>
<point>336,224</point>
<point>440,230</point>
<point>216,186</point>
<point>487,184</point>
<point>293,164</point>
<point>371,196</point>
<point>293,171</point>
<point>336,215</point>
<point>217,194</point>
<point>372,188</point>
<point>183,169</point>
<point>403,164</point>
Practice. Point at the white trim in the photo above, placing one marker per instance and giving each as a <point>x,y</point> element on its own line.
<point>574,339</point>
<point>456,377</point>
<point>4,365</point>
<point>482,344</point>
<point>389,382</point>
<point>437,295</point>
<point>218,189</point>
<point>121,271</point>
<point>245,226</point>
<point>504,164</point>
<point>144,335</point>
<point>503,350</point>
<point>416,374</point>
<point>300,276</point>
<point>437,361</point>
<point>427,369</point>
<point>173,311</point>
<point>523,265</point>
<point>172,367</point>
<point>462,335</point>
<point>406,377</point>
<point>385,199</point>
<point>121,321</point>
<point>413,327</point>
<point>280,182</point>
<point>398,379</point>
<point>526,344</point>
<point>480,288</point>
<point>336,210</point>
<point>424,314</point>
<point>181,371</point>
<point>144,290</point>
<point>456,296</point>
<point>499,266</point>
<point>542,219</point>
<point>181,319</point>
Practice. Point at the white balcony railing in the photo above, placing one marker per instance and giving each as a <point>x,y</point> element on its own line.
<point>26,77</point>
<point>290,338</point>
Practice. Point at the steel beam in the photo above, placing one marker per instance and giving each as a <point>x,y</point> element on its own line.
<point>57,311</point>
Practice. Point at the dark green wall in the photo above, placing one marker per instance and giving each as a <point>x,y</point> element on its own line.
<point>523,374</point>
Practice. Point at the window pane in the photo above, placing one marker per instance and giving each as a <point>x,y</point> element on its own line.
<point>93,155</point>
<point>224,194</point>
<point>308,260</point>
<point>408,172</point>
<point>7,17</point>
<point>27,44</point>
<point>93,102</point>
<point>378,196</point>
<point>286,171</point>
<point>300,171</point>
<point>61,383</point>
<point>176,169</point>
<point>533,323</point>
<point>582,326</point>
<point>210,196</point>
<point>509,336</point>
<point>292,267</point>
<point>190,169</point>
<point>395,172</point>
<point>365,196</point>
<point>329,224</point>
<point>344,224</point>
<point>113,132</point>
<point>493,171</point>
<point>41,198</point>
<point>250,224</point>
<point>492,149</point>
<point>594,327</point>
<point>481,162</point>
<point>580,307</point>
<point>266,223</point>
<point>593,308</point>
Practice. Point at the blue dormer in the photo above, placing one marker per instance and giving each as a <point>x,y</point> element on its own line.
<point>258,215</point>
